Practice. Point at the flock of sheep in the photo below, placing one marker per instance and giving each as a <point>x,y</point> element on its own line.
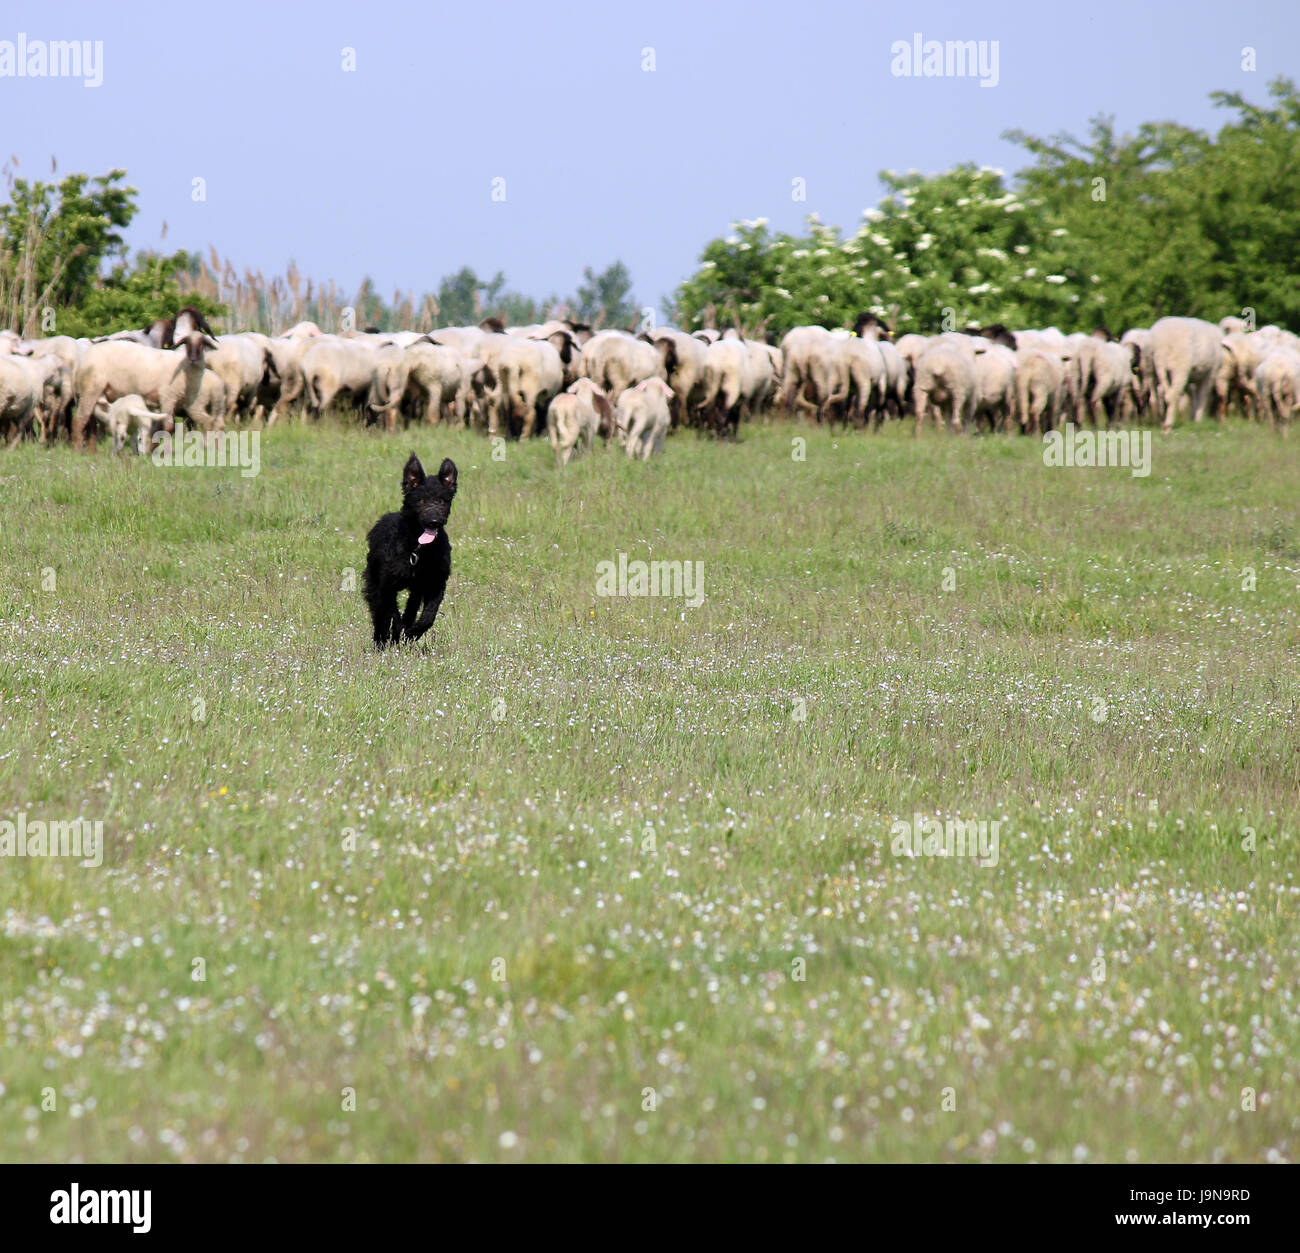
<point>1034,380</point>
<point>617,385</point>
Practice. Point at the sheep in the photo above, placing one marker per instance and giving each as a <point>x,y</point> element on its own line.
<point>246,365</point>
<point>576,417</point>
<point>1040,389</point>
<point>530,373</point>
<point>945,373</point>
<point>816,377</point>
<point>897,379</point>
<point>995,385</point>
<point>388,378</point>
<point>18,397</point>
<point>1143,396</point>
<point>51,384</point>
<point>1186,353</point>
<point>1235,377</point>
<point>727,382</point>
<point>1110,383</point>
<point>684,357</point>
<point>302,330</point>
<point>1277,380</point>
<point>760,379</point>
<point>208,411</point>
<point>334,367</point>
<point>644,418</point>
<point>127,413</point>
<point>486,348</point>
<point>615,361</point>
<point>165,378</point>
<point>866,378</point>
<point>438,378</point>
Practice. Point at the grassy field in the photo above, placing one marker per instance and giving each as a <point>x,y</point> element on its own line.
<point>596,878</point>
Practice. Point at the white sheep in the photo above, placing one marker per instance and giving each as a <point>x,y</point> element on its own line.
<point>1277,379</point>
<point>643,417</point>
<point>1186,354</point>
<point>165,378</point>
<point>945,375</point>
<point>127,413</point>
<point>575,418</point>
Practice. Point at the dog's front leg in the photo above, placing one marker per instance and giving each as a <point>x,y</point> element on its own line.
<point>425,620</point>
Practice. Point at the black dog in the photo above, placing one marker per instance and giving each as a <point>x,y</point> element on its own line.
<point>410,551</point>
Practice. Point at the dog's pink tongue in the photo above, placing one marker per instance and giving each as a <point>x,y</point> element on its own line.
<point>428,537</point>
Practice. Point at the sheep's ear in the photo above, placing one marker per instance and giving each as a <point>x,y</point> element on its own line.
<point>412,473</point>
<point>447,473</point>
<point>209,342</point>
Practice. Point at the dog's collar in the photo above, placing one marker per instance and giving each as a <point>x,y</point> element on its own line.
<point>415,555</point>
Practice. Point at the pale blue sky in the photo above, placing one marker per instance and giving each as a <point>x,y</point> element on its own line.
<point>388,170</point>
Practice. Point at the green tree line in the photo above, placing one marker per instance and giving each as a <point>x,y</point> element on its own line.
<point>1109,230</point>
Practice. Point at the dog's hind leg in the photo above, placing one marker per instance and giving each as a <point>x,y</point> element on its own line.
<point>408,615</point>
<point>383,616</point>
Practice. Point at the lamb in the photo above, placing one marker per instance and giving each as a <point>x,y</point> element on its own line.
<point>166,378</point>
<point>124,414</point>
<point>644,418</point>
<point>575,417</point>
<point>684,357</point>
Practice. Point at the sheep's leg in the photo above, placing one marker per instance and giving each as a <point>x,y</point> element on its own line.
<point>1199,396</point>
<point>1172,387</point>
<point>922,399</point>
<point>81,417</point>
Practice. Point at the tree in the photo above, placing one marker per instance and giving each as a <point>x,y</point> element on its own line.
<point>938,253</point>
<point>1113,230</point>
<point>132,296</point>
<point>54,238</point>
<point>605,299</point>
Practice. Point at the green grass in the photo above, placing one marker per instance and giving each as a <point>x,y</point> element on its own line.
<point>353,845</point>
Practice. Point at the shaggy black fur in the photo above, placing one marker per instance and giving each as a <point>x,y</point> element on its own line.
<point>399,562</point>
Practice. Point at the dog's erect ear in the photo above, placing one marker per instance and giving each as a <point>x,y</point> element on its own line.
<point>447,473</point>
<point>412,473</point>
